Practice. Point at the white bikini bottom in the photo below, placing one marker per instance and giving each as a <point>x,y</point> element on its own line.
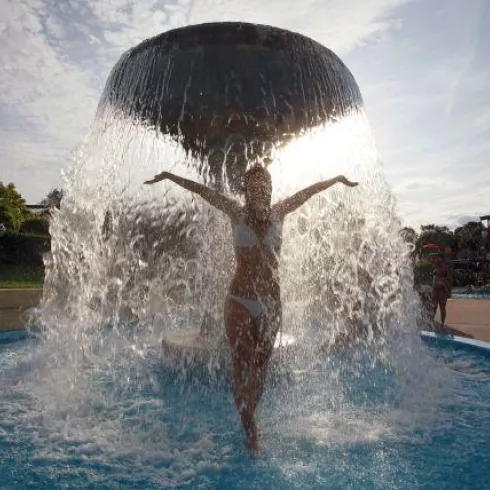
<point>255,307</point>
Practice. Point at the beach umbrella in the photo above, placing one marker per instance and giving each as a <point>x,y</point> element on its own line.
<point>432,247</point>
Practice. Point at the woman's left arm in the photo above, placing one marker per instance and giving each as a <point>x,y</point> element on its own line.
<point>293,202</point>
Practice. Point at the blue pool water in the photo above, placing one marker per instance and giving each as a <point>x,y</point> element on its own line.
<point>471,295</point>
<point>138,423</point>
<point>477,293</point>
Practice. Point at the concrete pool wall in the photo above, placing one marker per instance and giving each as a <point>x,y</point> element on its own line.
<point>14,304</point>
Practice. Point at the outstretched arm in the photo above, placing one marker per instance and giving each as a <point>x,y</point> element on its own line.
<point>216,199</point>
<point>292,203</point>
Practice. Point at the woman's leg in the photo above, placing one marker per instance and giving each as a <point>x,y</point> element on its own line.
<point>243,370</point>
<point>266,331</point>
<point>442,309</point>
<point>433,304</point>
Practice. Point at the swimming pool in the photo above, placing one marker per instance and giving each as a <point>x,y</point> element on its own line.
<point>138,423</point>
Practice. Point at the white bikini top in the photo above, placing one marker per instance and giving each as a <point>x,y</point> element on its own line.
<point>244,236</point>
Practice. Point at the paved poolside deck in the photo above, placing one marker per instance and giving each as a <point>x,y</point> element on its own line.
<point>469,316</point>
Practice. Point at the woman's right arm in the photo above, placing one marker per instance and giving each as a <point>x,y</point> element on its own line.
<point>216,199</point>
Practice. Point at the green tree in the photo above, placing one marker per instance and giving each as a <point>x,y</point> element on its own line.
<point>469,238</point>
<point>53,199</point>
<point>13,209</point>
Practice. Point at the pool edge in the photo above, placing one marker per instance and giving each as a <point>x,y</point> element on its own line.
<point>455,339</point>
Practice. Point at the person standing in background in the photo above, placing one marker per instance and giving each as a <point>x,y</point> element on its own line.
<point>441,285</point>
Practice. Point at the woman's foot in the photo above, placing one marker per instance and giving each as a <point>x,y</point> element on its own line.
<point>253,446</point>
<point>253,439</point>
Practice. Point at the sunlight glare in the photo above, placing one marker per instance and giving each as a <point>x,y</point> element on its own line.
<point>342,147</point>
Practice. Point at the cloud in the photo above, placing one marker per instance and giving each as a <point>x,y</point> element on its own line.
<point>48,90</point>
<point>462,219</point>
<point>427,185</point>
<point>45,94</point>
<point>339,25</point>
<point>427,98</point>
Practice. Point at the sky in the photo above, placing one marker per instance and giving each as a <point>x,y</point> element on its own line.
<point>422,67</point>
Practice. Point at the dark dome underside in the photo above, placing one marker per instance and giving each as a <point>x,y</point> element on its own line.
<point>204,84</point>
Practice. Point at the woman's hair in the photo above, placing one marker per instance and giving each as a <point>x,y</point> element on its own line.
<point>257,171</point>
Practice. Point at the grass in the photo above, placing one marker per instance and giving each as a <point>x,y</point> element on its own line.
<point>21,277</point>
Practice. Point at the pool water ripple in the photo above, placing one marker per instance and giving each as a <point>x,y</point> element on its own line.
<point>136,426</point>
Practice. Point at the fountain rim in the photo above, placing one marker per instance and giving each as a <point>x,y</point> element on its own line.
<point>441,340</point>
<point>174,36</point>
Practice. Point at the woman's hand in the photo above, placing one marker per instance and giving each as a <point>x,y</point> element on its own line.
<point>346,182</point>
<point>158,178</point>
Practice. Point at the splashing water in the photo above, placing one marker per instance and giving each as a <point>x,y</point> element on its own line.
<point>145,260</point>
<point>131,262</point>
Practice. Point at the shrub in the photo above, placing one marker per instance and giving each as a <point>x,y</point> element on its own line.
<point>463,278</point>
<point>35,226</point>
<point>23,248</point>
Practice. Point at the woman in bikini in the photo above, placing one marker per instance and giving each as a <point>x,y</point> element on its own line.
<point>253,305</point>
